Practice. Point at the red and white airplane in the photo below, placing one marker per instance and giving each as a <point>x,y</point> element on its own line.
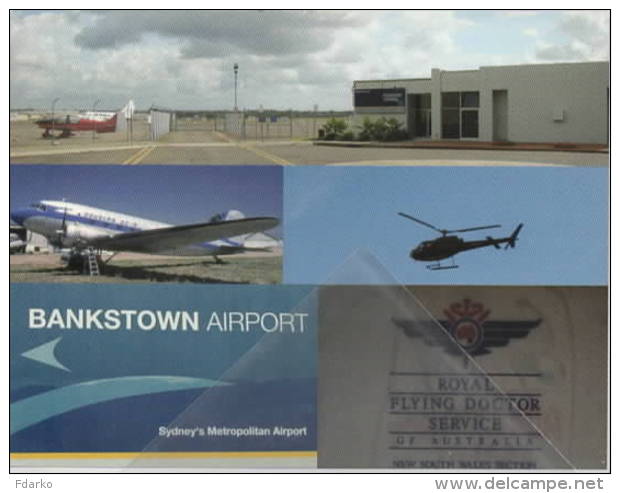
<point>90,121</point>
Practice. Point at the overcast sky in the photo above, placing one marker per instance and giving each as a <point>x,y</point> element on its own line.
<point>286,59</point>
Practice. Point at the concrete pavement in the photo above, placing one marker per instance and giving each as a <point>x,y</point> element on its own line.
<point>216,148</point>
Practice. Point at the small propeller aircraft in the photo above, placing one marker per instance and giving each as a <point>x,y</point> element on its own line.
<point>448,245</point>
<point>89,121</point>
<point>66,126</point>
<point>88,231</point>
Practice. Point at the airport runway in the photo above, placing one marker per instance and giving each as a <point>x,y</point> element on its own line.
<point>305,153</point>
<point>208,147</point>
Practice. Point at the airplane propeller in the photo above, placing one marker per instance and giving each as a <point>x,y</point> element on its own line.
<point>62,232</point>
<point>444,232</point>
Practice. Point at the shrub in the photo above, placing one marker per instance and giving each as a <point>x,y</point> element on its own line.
<point>367,130</point>
<point>334,129</point>
<point>382,130</point>
<point>393,130</point>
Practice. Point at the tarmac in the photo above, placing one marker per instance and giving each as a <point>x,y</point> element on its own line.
<point>468,145</point>
<point>213,147</point>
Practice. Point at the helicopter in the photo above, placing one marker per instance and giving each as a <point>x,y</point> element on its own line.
<point>448,245</point>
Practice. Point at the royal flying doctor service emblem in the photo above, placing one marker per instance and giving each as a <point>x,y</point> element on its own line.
<point>469,324</point>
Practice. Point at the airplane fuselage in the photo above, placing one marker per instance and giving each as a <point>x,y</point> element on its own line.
<point>97,122</point>
<point>70,225</point>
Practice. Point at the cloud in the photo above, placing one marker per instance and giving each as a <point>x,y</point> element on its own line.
<point>286,59</point>
<point>206,34</point>
<point>585,37</point>
<point>520,13</point>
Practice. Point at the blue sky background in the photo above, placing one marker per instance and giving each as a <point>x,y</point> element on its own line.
<point>172,194</point>
<point>332,211</point>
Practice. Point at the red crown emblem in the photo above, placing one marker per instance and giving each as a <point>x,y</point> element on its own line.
<point>467,309</point>
<point>465,319</point>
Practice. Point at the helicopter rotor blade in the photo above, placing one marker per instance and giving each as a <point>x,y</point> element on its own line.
<point>442,231</point>
<point>475,229</point>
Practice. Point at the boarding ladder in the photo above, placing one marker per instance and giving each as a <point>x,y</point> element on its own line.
<point>93,265</point>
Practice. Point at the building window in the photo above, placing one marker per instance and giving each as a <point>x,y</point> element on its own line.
<point>469,124</point>
<point>470,99</point>
<point>459,115</point>
<point>419,115</point>
<point>450,115</point>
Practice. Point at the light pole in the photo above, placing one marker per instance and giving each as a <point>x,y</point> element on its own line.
<point>93,117</point>
<point>236,70</point>
<point>53,107</point>
<point>316,109</point>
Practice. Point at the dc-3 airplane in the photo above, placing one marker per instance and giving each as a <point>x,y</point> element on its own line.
<point>88,231</point>
<point>447,246</point>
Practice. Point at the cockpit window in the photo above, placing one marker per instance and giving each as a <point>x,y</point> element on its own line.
<point>39,207</point>
<point>217,218</point>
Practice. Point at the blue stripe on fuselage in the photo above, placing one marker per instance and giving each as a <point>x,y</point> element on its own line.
<point>89,221</point>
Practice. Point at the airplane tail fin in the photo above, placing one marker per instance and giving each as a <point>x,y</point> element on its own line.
<point>250,241</point>
<point>513,238</point>
<point>128,110</point>
<point>231,215</point>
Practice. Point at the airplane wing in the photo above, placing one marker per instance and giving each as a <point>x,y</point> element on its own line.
<point>166,239</point>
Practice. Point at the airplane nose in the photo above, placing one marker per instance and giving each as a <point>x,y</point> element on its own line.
<point>19,216</point>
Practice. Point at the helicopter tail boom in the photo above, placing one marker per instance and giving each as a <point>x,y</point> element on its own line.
<point>489,238</point>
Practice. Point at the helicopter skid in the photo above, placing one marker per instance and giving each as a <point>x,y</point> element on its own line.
<point>441,267</point>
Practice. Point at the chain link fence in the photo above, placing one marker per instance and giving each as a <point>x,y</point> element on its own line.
<point>257,125</point>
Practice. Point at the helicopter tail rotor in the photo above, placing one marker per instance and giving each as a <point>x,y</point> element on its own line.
<point>513,238</point>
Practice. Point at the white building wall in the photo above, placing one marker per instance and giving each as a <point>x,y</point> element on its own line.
<point>538,95</point>
<point>160,124</point>
<point>460,80</point>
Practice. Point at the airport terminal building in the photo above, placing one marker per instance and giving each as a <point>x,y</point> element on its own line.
<point>559,103</point>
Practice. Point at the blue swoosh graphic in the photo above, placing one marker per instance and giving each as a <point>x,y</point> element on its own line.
<point>32,410</point>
